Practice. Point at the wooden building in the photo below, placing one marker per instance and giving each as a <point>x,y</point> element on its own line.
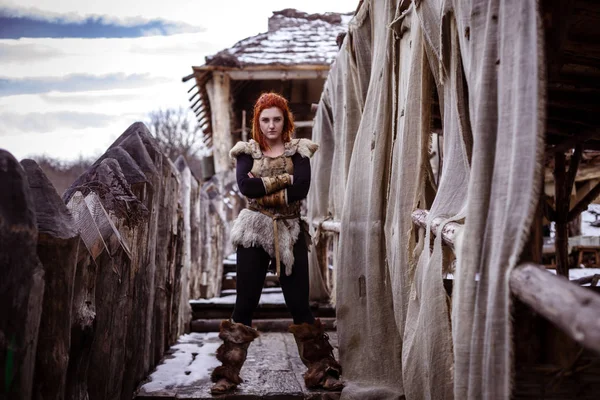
<point>292,58</point>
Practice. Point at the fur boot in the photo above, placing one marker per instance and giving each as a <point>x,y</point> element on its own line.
<point>232,353</point>
<point>317,354</point>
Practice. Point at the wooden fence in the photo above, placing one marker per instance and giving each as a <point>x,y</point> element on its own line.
<point>94,287</point>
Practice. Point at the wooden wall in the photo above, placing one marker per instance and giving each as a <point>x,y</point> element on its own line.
<point>95,287</point>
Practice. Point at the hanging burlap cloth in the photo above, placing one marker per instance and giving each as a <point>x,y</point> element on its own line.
<point>400,335</point>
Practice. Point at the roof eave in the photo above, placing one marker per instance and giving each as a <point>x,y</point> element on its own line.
<point>267,71</point>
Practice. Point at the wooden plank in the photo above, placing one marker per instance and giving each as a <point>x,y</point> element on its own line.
<point>273,370</point>
<point>449,233</point>
<point>574,309</point>
<point>57,247</point>
<point>21,281</point>
<point>219,89</point>
<point>83,318</point>
<point>165,259</point>
<point>583,204</point>
<point>561,198</point>
<point>146,186</point>
<point>328,225</point>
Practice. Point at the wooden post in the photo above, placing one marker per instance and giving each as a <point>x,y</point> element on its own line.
<point>561,196</point>
<point>572,308</point>
<point>185,195</point>
<point>244,132</point>
<point>57,249</point>
<point>219,89</point>
<point>83,308</point>
<point>165,256</point>
<point>21,281</point>
<point>526,323</point>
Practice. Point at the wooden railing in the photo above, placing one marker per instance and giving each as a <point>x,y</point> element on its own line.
<point>551,296</point>
<point>574,309</point>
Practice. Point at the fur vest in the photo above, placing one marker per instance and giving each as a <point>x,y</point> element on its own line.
<point>252,228</point>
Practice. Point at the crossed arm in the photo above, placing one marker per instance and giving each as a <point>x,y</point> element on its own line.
<point>255,188</point>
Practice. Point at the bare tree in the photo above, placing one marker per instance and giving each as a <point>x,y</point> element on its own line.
<point>176,133</point>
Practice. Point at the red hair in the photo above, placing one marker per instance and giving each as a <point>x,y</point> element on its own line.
<point>269,100</point>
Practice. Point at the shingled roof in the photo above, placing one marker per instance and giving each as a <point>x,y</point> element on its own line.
<point>293,38</point>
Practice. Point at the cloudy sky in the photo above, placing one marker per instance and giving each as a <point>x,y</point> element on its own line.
<point>74,74</point>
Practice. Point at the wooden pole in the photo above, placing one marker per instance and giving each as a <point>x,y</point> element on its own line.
<point>219,92</point>
<point>572,308</point>
<point>561,196</point>
<point>57,250</point>
<point>449,233</point>
<point>21,281</point>
<point>244,133</point>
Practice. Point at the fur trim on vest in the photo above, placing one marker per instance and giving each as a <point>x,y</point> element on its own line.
<point>305,147</point>
<point>253,229</point>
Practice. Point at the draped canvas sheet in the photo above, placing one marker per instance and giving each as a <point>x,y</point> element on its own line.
<point>336,124</point>
<point>394,326</point>
<point>370,344</point>
<point>504,73</point>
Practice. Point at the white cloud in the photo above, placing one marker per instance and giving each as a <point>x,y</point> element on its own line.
<point>159,56</point>
<point>75,83</point>
<point>167,58</point>
<point>16,52</point>
<point>75,17</point>
<point>14,123</point>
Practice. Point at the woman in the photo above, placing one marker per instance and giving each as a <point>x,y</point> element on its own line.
<point>273,172</point>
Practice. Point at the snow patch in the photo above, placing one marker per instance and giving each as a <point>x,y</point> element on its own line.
<point>193,353</point>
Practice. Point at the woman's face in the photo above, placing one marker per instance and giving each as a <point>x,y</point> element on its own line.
<point>271,123</point>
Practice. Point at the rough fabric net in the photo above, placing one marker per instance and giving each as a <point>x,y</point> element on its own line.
<point>399,333</point>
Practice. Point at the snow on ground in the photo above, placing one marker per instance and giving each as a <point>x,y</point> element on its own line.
<point>586,218</point>
<point>193,352</point>
<point>576,273</point>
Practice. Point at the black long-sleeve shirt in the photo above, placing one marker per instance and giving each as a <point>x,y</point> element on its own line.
<point>254,188</point>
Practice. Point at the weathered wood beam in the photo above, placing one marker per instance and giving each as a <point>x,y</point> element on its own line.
<point>556,26</point>
<point>574,309</point>
<point>57,250</point>
<point>574,140</point>
<point>248,75</point>
<point>328,225</point>
<point>219,89</point>
<point>585,202</point>
<point>304,124</point>
<point>21,281</point>
<point>586,279</point>
<point>561,198</point>
<point>549,211</point>
<point>570,307</point>
<point>449,233</point>
<point>196,102</point>
<point>192,88</point>
<point>573,167</point>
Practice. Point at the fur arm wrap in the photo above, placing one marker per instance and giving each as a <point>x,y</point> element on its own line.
<point>275,183</point>
<point>306,147</point>
<point>273,200</point>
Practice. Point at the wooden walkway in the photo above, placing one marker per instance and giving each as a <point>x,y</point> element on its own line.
<point>273,370</point>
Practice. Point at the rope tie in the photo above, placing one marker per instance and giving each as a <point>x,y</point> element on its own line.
<point>275,218</point>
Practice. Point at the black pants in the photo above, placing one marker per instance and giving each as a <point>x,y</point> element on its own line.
<point>252,265</point>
